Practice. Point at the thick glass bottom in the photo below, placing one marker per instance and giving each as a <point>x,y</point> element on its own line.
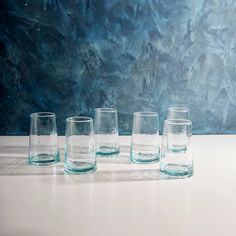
<point>43,159</point>
<point>178,149</point>
<point>177,170</point>
<point>107,151</point>
<point>80,167</point>
<point>143,158</point>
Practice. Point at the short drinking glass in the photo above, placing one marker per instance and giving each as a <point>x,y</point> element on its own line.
<point>80,146</point>
<point>43,141</point>
<point>176,152</point>
<point>145,146</point>
<point>178,113</point>
<point>106,130</point>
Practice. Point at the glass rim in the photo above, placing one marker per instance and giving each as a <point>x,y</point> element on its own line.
<point>145,113</point>
<point>179,109</point>
<point>105,109</point>
<point>79,119</point>
<point>43,114</point>
<point>178,122</point>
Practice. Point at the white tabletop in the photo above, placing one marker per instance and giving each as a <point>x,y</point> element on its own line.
<point>120,198</point>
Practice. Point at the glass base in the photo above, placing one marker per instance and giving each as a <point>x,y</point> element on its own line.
<point>178,149</point>
<point>176,170</point>
<point>43,159</point>
<point>143,158</point>
<point>107,151</point>
<point>80,167</point>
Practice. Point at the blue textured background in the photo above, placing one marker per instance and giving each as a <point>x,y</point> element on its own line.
<point>70,57</point>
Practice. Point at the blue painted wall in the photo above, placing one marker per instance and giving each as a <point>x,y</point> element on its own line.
<point>70,57</point>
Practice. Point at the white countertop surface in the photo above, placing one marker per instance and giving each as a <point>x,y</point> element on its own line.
<point>120,198</point>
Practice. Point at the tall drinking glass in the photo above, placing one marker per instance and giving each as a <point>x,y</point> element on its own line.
<point>106,130</point>
<point>145,138</point>
<point>176,152</point>
<point>80,146</point>
<point>43,141</point>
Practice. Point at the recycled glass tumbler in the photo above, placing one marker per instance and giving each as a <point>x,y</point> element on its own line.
<point>106,132</point>
<point>176,152</point>
<point>178,113</point>
<point>145,146</point>
<point>80,155</point>
<point>43,141</point>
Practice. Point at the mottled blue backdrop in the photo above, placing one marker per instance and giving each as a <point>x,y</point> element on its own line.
<point>71,56</point>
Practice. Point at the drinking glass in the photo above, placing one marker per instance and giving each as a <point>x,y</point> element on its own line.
<point>80,146</point>
<point>178,113</point>
<point>106,130</point>
<point>43,141</point>
<point>176,152</point>
<point>145,146</point>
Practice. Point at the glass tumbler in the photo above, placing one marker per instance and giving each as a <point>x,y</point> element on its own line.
<point>80,146</point>
<point>43,141</point>
<point>176,152</point>
<point>178,113</point>
<point>145,146</point>
<point>106,130</point>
